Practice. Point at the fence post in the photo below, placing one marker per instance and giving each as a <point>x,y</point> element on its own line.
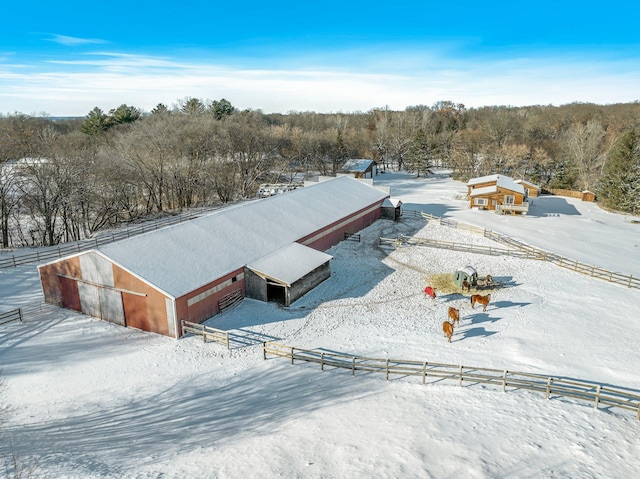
<point>20,314</point>
<point>548,387</point>
<point>321,361</point>
<point>504,381</point>
<point>424,372</point>
<point>292,348</point>
<point>228,344</point>
<point>353,366</point>
<point>630,278</point>
<point>387,370</point>
<point>597,396</point>
<point>460,377</point>
<point>264,350</point>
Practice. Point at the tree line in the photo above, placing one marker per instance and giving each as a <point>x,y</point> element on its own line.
<point>63,180</point>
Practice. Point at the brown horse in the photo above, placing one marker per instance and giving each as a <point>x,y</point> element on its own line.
<point>466,285</point>
<point>483,300</point>
<point>454,315</point>
<point>447,327</point>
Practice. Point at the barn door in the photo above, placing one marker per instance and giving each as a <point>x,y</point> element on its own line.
<point>103,303</point>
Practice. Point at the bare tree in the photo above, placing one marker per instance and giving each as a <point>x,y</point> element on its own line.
<point>587,146</point>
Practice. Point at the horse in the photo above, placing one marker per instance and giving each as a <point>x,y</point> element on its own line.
<point>486,281</point>
<point>454,315</point>
<point>483,300</point>
<point>431,292</point>
<point>447,328</point>
<point>466,285</point>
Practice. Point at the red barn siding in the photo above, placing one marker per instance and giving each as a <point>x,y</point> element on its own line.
<point>189,308</point>
<point>148,315</point>
<point>332,234</point>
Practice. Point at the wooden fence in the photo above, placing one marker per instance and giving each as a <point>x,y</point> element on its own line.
<point>470,248</point>
<point>596,394</point>
<point>54,252</point>
<point>9,316</point>
<point>230,300</point>
<point>526,251</point>
<point>351,237</point>
<point>27,312</point>
<point>207,332</point>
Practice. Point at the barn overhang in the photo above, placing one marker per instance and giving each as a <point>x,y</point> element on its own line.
<point>287,274</point>
<point>289,264</point>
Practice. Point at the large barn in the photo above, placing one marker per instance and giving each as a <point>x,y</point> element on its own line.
<point>269,249</point>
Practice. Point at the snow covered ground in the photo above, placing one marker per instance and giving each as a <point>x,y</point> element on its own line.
<point>89,399</point>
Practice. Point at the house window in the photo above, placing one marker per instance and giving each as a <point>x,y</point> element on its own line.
<point>509,199</point>
<point>480,201</point>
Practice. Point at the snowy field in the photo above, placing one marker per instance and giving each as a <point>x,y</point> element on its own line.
<point>89,399</point>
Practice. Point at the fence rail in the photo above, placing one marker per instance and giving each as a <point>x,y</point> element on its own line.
<point>55,252</point>
<point>27,312</point>
<point>207,332</point>
<point>527,251</point>
<point>596,394</point>
<point>9,316</point>
<point>470,248</point>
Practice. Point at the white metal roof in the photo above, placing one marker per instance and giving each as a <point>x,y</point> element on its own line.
<point>502,181</point>
<point>357,165</point>
<point>290,263</point>
<point>485,190</point>
<point>181,258</point>
<point>391,203</point>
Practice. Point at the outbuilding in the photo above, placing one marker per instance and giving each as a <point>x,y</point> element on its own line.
<point>183,272</point>
<point>468,274</point>
<point>360,168</point>
<point>391,209</point>
<point>497,193</point>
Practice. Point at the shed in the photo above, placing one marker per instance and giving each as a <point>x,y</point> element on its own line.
<point>391,209</point>
<point>467,273</point>
<point>183,272</point>
<point>360,168</point>
<point>531,190</point>
<point>287,274</point>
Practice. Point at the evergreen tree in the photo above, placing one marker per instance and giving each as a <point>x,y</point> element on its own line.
<point>619,186</point>
<point>418,159</point>
<point>95,122</point>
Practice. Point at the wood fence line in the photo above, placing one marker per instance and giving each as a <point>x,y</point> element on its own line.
<point>596,394</point>
<point>470,248</point>
<point>531,251</point>
<point>28,311</point>
<point>9,316</point>
<point>55,252</point>
<point>230,300</point>
<point>207,332</point>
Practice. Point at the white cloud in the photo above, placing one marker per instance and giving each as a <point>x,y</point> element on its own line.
<point>106,80</point>
<point>74,41</point>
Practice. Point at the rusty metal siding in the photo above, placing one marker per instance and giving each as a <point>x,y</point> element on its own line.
<point>70,297</point>
<point>146,310</point>
<point>52,287</point>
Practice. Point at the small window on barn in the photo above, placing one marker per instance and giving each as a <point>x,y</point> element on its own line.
<point>480,201</point>
<point>234,279</point>
<point>509,199</point>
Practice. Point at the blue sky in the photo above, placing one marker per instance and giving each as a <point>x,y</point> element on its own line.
<point>67,57</point>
